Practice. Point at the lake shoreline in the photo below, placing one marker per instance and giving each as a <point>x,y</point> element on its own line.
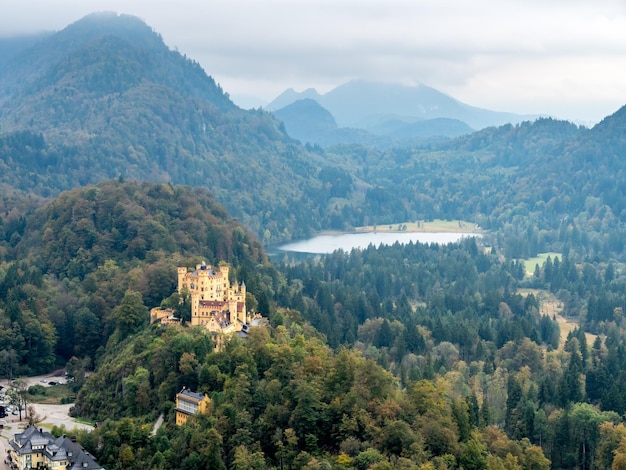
<point>435,226</point>
<point>346,241</point>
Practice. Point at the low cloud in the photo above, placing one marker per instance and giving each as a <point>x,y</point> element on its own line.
<point>487,52</point>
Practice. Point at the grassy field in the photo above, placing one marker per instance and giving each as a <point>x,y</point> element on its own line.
<point>550,305</point>
<point>530,263</point>
<point>439,226</point>
<point>54,395</point>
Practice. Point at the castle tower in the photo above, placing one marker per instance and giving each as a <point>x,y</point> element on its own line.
<point>182,277</point>
<point>224,269</point>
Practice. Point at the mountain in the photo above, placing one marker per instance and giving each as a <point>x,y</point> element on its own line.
<point>105,98</point>
<point>290,96</point>
<point>307,121</point>
<point>12,46</point>
<point>361,104</point>
<point>306,116</point>
<point>101,54</point>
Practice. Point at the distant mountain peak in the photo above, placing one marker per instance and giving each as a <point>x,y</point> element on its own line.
<point>109,19</point>
<point>304,117</point>
<point>111,23</point>
<point>101,54</point>
<point>358,103</point>
<point>290,96</point>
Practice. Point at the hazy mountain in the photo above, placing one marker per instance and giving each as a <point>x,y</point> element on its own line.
<point>306,115</point>
<point>105,98</point>
<point>362,103</point>
<point>99,55</point>
<point>14,45</point>
<point>290,96</point>
<point>307,121</point>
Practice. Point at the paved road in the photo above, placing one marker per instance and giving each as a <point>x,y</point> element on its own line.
<point>157,425</point>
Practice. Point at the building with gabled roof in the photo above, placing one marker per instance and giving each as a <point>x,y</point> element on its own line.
<point>189,404</point>
<point>35,448</point>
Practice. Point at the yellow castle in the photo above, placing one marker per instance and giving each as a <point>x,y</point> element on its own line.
<point>216,304</point>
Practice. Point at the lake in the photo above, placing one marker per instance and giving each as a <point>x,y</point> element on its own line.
<point>322,244</point>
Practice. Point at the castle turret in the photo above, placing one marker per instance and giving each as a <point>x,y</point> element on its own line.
<point>182,275</point>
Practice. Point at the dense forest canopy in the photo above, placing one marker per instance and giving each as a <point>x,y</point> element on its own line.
<point>73,261</point>
<point>406,356</point>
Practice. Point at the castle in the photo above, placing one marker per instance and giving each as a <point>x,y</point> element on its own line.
<point>216,304</point>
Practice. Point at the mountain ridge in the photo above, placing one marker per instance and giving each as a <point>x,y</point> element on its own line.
<point>110,109</point>
<point>355,103</point>
<point>111,100</point>
<point>309,122</point>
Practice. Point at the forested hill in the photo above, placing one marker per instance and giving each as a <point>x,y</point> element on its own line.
<point>66,266</point>
<point>101,54</point>
<point>544,185</point>
<point>105,98</point>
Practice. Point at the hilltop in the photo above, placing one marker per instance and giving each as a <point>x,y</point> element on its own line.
<point>118,103</point>
<point>70,262</point>
<point>106,98</point>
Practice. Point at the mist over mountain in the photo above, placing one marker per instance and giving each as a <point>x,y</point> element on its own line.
<point>105,99</point>
<point>14,45</point>
<point>307,121</point>
<point>364,104</point>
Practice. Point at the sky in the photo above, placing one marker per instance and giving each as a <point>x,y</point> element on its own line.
<point>561,58</point>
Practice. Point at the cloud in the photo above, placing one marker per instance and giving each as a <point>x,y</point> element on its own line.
<point>507,54</point>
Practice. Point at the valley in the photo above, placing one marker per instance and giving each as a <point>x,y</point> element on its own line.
<point>123,164</point>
